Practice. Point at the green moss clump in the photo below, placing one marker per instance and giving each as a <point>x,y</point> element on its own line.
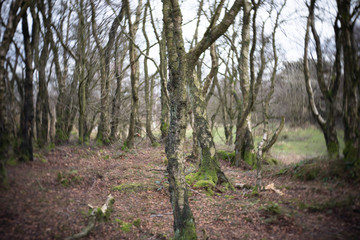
<point>40,157</point>
<point>125,147</point>
<point>271,208</point>
<point>250,158</point>
<point>188,232</point>
<point>61,136</point>
<point>200,180</point>
<point>68,178</point>
<point>155,144</point>
<point>206,184</point>
<point>137,222</point>
<point>164,127</point>
<point>226,156</point>
<point>124,226</point>
<point>12,161</point>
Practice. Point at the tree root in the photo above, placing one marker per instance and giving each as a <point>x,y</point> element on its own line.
<point>97,214</point>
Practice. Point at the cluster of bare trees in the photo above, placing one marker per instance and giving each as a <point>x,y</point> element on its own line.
<point>89,65</point>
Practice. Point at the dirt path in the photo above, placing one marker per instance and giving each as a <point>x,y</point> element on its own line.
<point>49,198</point>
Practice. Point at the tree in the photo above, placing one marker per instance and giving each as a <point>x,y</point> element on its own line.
<point>328,90</point>
<point>267,142</point>
<point>249,84</point>
<point>103,134</point>
<point>348,16</point>
<point>181,67</point>
<point>27,114</point>
<point>149,84</point>
<point>10,29</point>
<point>134,76</point>
<point>42,103</point>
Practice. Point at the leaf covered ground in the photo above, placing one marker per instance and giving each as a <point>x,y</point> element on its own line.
<point>48,199</point>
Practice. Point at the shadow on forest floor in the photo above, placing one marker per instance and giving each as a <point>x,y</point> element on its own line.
<point>49,198</point>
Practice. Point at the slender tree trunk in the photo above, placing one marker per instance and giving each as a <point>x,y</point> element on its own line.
<point>134,73</point>
<point>244,143</point>
<point>116,102</point>
<point>184,223</point>
<point>42,104</point>
<point>62,104</point>
<point>164,118</point>
<point>148,85</point>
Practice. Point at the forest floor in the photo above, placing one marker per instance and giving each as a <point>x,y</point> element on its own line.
<point>48,199</point>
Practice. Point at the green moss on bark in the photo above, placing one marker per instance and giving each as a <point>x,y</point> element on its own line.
<point>188,232</point>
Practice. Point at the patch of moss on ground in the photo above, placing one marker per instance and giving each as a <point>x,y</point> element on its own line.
<point>320,168</point>
<point>226,156</point>
<point>68,178</point>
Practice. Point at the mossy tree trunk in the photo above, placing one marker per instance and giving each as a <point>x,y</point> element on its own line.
<point>328,91</point>
<point>181,66</point>
<point>134,73</point>
<point>351,96</point>
<point>244,143</point>
<point>249,84</point>
<point>184,223</point>
<point>209,169</point>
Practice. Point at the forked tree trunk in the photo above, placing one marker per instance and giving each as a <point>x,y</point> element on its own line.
<point>181,66</point>
<point>328,91</point>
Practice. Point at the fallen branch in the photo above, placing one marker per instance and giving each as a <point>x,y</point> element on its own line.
<point>272,187</point>
<point>97,214</point>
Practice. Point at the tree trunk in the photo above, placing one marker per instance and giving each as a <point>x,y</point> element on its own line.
<point>116,102</point>
<point>148,86</point>
<point>184,223</point>
<point>328,91</point>
<point>134,66</point>
<point>244,143</point>
<point>351,116</point>
<point>164,118</point>
<point>42,104</point>
<point>27,116</point>
<point>7,36</point>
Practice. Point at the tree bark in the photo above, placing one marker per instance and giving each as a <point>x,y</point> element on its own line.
<point>148,85</point>
<point>8,34</point>
<point>244,143</point>
<point>27,116</point>
<point>351,96</point>
<point>184,223</point>
<point>327,122</point>
<point>134,62</point>
<point>42,103</point>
